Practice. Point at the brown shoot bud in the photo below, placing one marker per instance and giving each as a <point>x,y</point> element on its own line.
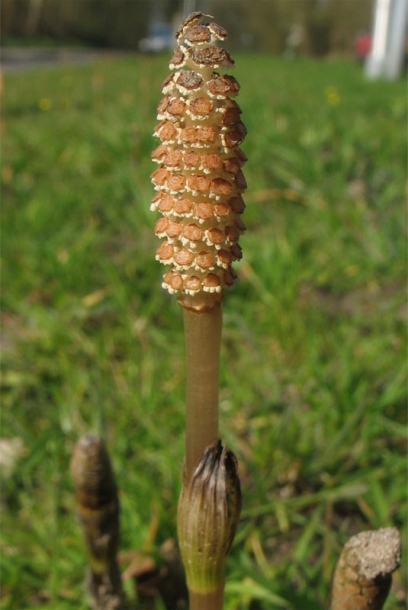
<point>362,577</point>
<point>208,515</point>
<point>98,513</point>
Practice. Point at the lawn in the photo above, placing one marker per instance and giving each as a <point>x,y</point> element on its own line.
<point>313,377</point>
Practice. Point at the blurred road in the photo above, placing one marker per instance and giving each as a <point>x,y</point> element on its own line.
<point>29,58</point>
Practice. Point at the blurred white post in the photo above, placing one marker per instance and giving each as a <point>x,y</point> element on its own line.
<point>386,56</point>
<point>396,43</point>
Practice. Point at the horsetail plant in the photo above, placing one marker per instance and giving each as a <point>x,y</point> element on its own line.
<point>363,574</point>
<point>98,513</point>
<point>199,186</point>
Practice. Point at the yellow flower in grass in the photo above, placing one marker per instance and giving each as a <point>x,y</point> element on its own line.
<point>45,104</point>
<point>332,95</point>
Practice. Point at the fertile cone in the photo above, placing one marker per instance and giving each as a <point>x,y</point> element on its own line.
<point>199,181</point>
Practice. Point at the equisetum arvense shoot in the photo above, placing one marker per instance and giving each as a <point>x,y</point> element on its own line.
<point>199,185</point>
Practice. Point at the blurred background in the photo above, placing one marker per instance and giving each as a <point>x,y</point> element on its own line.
<point>307,27</point>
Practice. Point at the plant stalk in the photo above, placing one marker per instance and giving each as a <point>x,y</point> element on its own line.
<point>363,574</point>
<point>202,340</point>
<point>98,513</point>
<point>213,600</point>
<point>207,518</point>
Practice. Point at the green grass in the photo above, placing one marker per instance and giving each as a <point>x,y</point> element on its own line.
<point>313,380</point>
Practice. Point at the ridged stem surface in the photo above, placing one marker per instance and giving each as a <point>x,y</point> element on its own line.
<point>207,601</point>
<point>202,340</point>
